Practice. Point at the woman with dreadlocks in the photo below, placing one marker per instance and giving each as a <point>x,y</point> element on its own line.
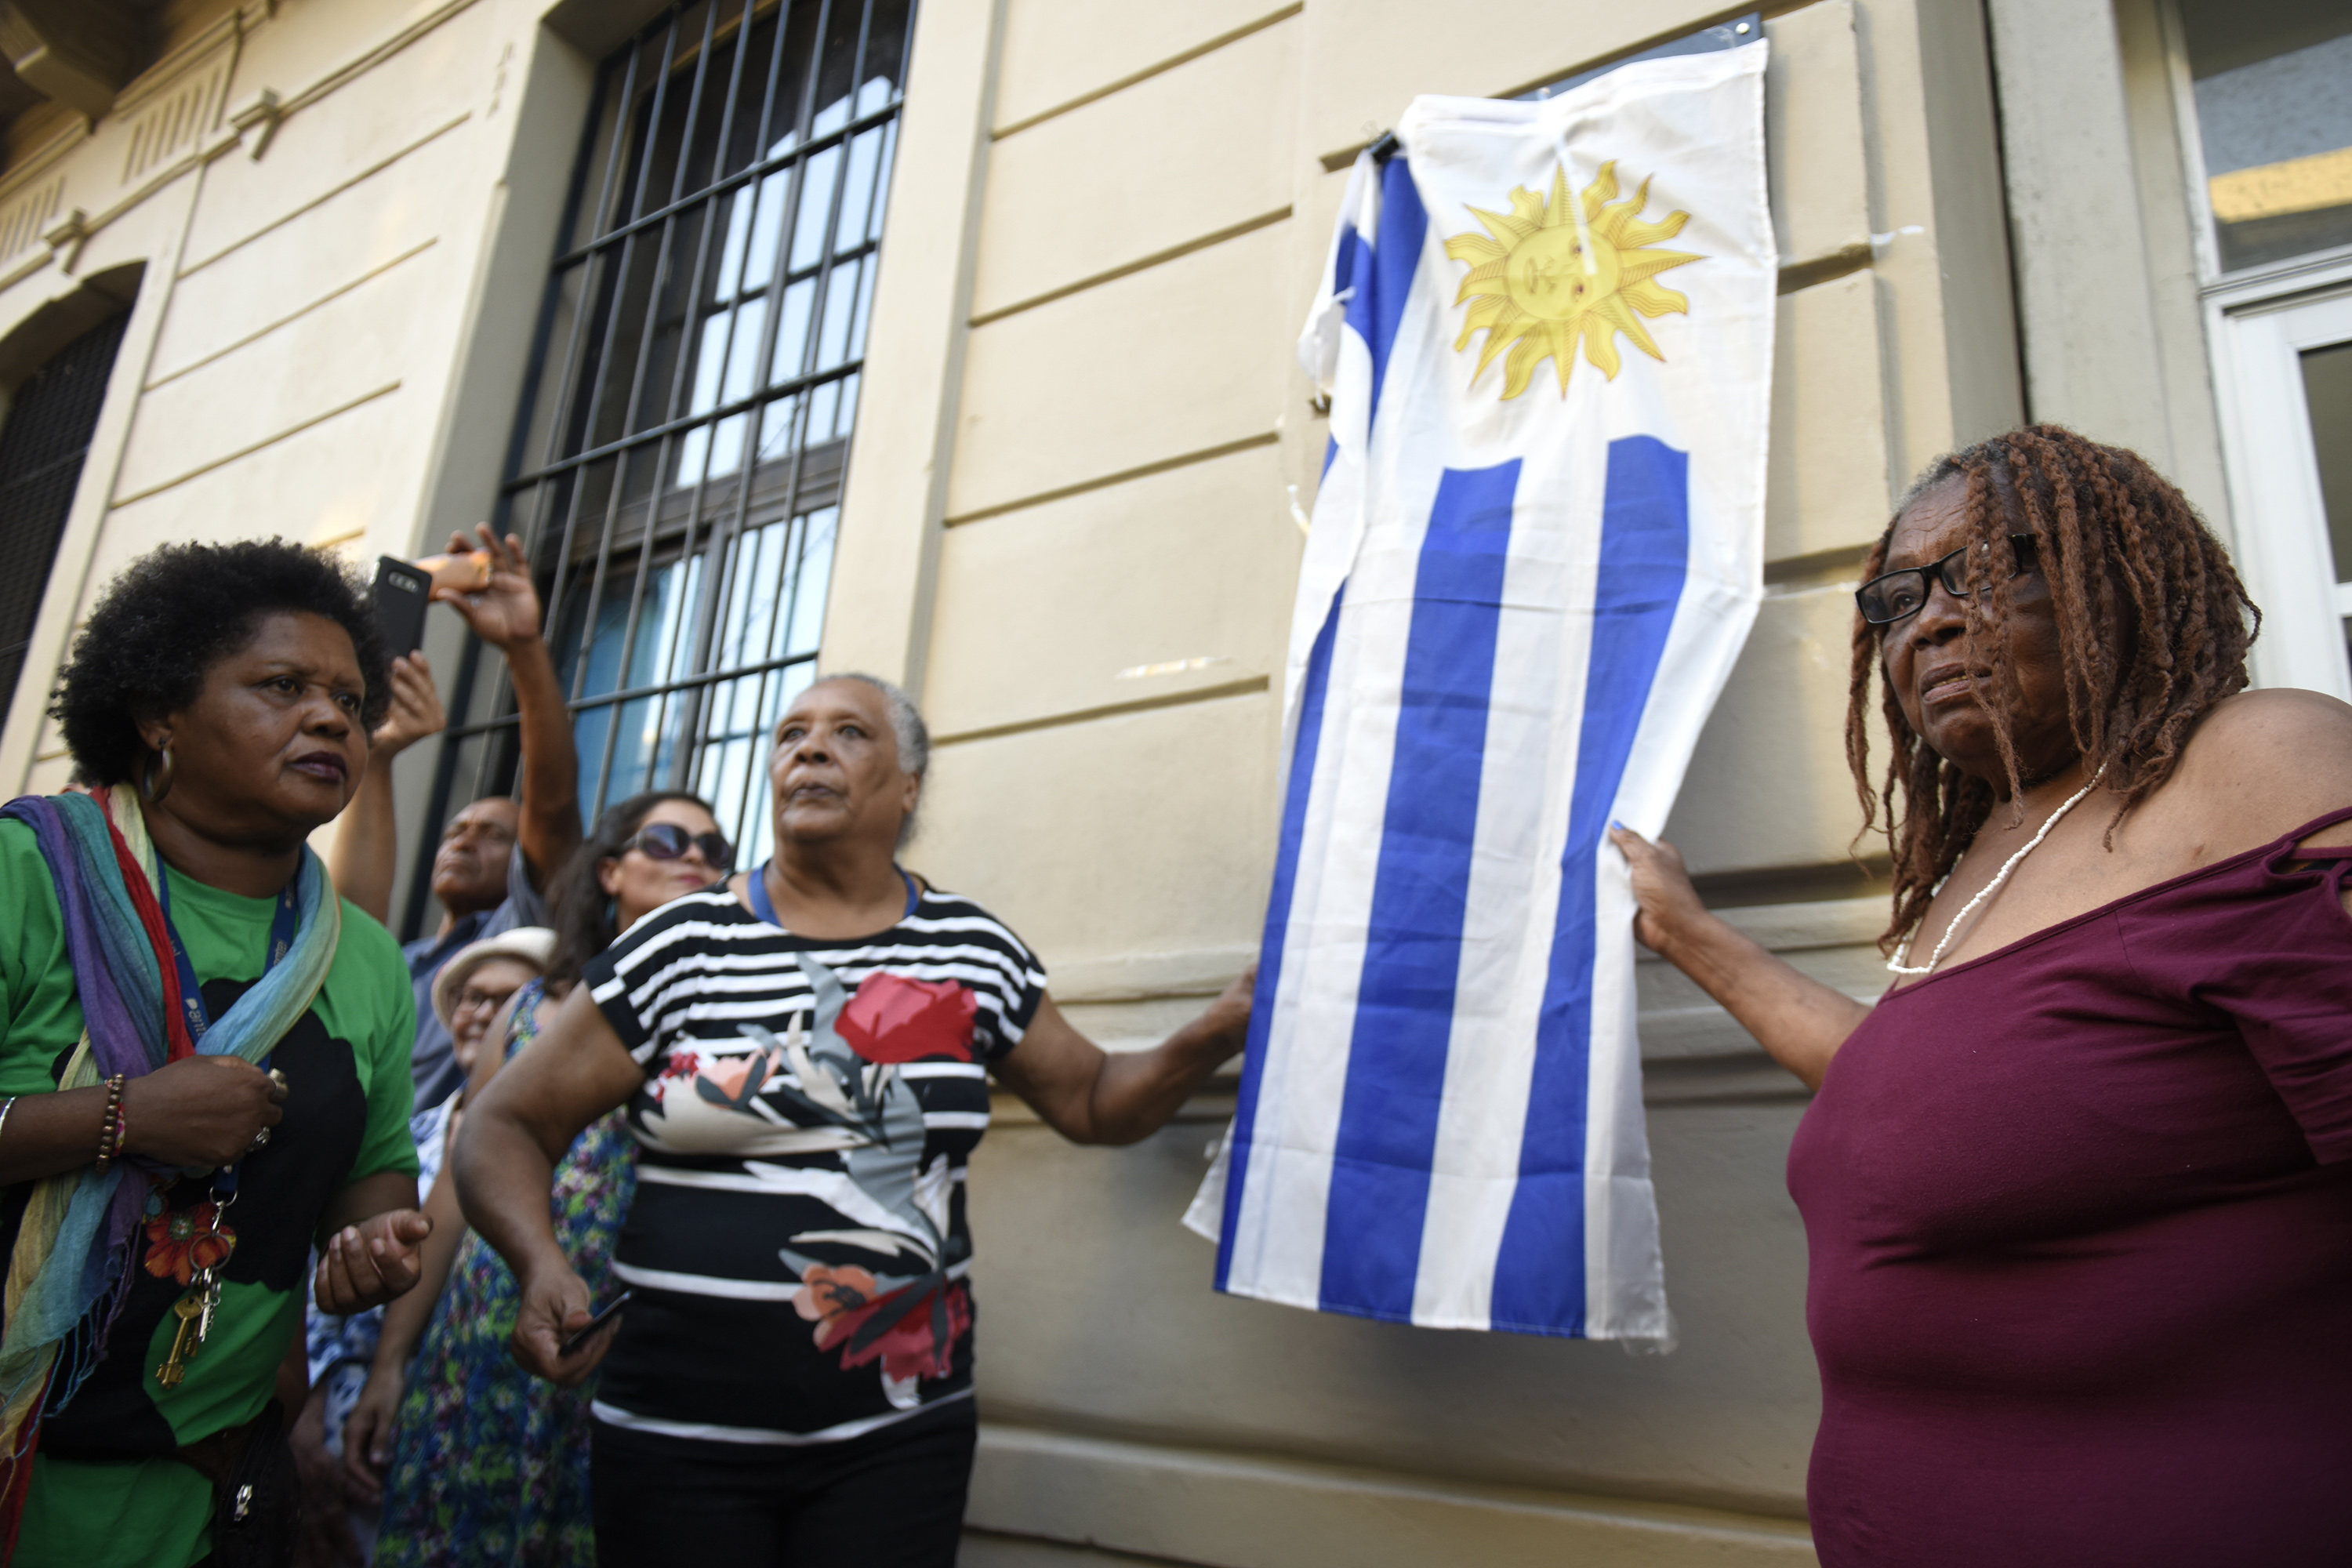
<point>2078,1189</point>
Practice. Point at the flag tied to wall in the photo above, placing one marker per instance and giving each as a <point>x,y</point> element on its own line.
<point>1545,331</point>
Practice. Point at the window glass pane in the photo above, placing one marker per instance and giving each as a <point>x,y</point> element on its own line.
<point>2327,392</point>
<point>716,251</point>
<point>815,208</point>
<point>2273,90</point>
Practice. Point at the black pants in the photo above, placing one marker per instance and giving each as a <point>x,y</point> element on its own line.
<point>892,1499</point>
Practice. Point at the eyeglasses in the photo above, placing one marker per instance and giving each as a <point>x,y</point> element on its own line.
<point>668,841</point>
<point>1890,597</point>
<point>470,996</point>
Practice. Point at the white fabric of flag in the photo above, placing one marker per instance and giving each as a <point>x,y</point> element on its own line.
<point>1545,331</point>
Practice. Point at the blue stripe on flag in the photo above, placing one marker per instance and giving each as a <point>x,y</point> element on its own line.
<point>1539,1275</point>
<point>1301,785</point>
<point>1412,953</point>
<point>1382,273</point>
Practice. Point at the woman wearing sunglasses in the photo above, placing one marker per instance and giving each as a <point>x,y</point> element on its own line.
<point>803,1057</point>
<point>478,1460</point>
<point>2078,1188</point>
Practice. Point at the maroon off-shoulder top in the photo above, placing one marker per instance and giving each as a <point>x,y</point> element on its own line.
<point>2080,1219</point>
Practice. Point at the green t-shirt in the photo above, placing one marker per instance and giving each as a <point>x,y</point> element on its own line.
<point>105,1489</point>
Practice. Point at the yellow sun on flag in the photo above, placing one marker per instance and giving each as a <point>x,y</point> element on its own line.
<point>1560,270</point>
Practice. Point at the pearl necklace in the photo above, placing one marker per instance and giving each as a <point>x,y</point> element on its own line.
<point>1896,963</point>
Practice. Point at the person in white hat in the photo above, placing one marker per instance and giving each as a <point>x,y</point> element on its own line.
<point>469,993</point>
<point>479,980</point>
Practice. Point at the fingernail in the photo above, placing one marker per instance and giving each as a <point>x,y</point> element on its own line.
<point>1619,825</point>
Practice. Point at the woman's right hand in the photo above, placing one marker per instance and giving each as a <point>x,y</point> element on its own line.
<point>201,1112</point>
<point>555,1305</point>
<point>367,1435</point>
<point>1668,903</point>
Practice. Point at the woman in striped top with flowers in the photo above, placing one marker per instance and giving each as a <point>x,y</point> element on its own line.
<point>803,1053</point>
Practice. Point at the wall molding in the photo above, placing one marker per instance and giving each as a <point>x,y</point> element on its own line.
<point>201,469</point>
<point>1095,95</point>
<point>1258,1510</point>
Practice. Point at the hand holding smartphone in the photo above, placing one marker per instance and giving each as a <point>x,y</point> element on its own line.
<point>404,589</point>
<point>575,1343</point>
<point>402,592</point>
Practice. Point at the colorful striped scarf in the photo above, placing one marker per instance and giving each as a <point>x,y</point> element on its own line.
<point>73,1251</point>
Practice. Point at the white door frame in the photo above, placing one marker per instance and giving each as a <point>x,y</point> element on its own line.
<point>2282,547</point>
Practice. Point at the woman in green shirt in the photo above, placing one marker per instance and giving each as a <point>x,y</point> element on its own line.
<point>218,705</point>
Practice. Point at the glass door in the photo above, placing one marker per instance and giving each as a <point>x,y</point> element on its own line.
<point>2290,439</point>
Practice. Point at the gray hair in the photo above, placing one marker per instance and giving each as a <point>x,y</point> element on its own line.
<point>914,736</point>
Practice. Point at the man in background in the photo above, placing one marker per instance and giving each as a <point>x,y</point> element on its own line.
<point>496,854</point>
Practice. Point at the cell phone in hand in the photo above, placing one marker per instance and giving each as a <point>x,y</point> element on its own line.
<point>402,592</point>
<point>579,1341</point>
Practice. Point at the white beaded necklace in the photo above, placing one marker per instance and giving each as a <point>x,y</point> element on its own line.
<point>1896,963</point>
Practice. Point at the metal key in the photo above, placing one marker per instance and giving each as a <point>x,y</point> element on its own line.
<point>208,1284</point>
<point>188,1309</point>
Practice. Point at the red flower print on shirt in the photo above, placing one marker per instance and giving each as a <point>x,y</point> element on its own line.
<point>826,1293</point>
<point>840,1301</point>
<point>185,1241</point>
<point>895,1019</point>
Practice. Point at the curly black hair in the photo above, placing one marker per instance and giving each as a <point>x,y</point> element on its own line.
<point>164,623</point>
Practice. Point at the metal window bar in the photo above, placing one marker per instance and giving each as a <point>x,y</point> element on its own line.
<point>676,466</point>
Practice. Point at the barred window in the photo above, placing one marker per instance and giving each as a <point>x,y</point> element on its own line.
<point>677,463</point>
<point>44,437</point>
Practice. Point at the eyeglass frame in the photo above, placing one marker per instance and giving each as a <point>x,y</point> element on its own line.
<point>470,995</point>
<point>721,858</point>
<point>1939,570</point>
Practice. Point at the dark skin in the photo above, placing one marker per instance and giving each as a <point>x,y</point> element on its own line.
<point>469,871</point>
<point>507,614</point>
<point>839,797</point>
<point>2258,765</point>
<point>267,753</point>
<point>363,859</point>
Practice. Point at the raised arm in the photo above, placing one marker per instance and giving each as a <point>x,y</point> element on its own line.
<point>506,615</point>
<point>505,1165</point>
<point>365,858</point>
<point>1089,1095</point>
<point>1797,1020</point>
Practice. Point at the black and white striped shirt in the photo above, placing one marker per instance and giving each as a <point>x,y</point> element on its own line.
<point>798,1244</point>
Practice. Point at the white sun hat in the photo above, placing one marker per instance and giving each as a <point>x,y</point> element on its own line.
<point>533,945</point>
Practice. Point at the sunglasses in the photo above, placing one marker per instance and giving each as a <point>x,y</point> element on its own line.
<point>1893,595</point>
<point>668,841</point>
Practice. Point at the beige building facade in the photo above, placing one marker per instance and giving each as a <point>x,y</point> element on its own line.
<point>376,269</point>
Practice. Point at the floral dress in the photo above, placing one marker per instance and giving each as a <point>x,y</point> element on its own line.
<point>490,1464</point>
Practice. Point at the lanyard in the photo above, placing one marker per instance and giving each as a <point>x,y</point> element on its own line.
<point>765,907</point>
<point>283,924</point>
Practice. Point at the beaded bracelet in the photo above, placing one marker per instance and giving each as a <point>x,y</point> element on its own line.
<point>111,1129</point>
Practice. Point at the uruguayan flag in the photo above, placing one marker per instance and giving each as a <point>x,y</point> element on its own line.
<point>1545,331</point>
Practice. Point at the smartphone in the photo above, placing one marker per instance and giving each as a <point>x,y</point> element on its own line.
<point>468,571</point>
<point>579,1341</point>
<point>402,592</point>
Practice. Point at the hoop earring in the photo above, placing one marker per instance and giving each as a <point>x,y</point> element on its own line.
<point>149,785</point>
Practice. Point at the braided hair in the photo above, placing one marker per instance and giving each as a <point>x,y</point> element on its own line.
<point>2153,630</point>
